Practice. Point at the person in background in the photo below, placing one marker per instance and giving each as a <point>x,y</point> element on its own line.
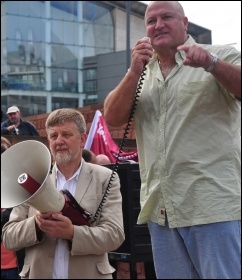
<point>187,123</point>
<point>5,144</point>
<point>88,156</point>
<point>102,159</point>
<point>15,125</point>
<point>55,248</point>
<point>11,261</point>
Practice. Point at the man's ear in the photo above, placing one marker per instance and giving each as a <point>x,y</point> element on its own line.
<point>83,140</point>
<point>185,21</point>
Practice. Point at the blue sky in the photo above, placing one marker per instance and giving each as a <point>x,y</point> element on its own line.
<point>223,18</point>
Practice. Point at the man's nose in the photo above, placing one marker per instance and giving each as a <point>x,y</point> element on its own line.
<point>59,138</point>
<point>159,23</point>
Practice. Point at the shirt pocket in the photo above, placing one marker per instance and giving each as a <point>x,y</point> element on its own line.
<point>192,99</point>
<point>105,268</point>
<point>24,274</point>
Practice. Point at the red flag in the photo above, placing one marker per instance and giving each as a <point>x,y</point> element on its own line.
<point>100,141</point>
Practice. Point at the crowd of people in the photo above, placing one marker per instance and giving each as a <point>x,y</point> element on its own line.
<point>89,156</point>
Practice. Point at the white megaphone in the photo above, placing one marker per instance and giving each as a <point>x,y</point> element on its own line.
<point>25,169</point>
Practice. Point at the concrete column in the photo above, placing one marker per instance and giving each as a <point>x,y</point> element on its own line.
<point>80,53</point>
<point>48,55</point>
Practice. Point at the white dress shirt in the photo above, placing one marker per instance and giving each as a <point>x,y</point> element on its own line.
<point>61,259</point>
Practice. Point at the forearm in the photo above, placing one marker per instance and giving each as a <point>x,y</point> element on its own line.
<point>20,231</point>
<point>118,103</point>
<point>229,76</point>
<point>18,235</point>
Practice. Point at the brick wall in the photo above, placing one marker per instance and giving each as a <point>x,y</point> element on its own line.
<point>88,113</point>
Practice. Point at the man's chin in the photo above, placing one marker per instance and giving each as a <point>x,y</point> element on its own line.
<point>62,159</point>
<point>162,41</point>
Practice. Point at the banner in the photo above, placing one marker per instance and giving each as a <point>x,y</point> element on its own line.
<point>99,141</point>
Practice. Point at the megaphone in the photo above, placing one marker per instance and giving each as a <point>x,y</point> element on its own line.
<point>25,169</point>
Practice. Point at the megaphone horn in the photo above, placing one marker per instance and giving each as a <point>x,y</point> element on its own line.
<point>25,179</point>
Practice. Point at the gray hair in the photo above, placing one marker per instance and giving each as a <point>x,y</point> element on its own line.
<point>60,116</point>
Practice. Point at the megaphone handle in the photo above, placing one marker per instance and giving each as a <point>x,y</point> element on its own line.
<point>74,211</point>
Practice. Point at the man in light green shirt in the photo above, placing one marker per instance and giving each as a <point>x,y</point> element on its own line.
<point>187,124</point>
<point>191,143</point>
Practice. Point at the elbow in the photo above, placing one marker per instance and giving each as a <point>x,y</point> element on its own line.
<point>119,240</point>
<point>107,117</point>
<point>8,245</point>
<point>110,121</point>
<point>113,115</point>
<point>110,117</point>
<point>237,93</point>
<point>238,96</point>
<point>113,120</point>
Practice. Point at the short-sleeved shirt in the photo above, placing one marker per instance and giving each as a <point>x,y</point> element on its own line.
<point>188,138</point>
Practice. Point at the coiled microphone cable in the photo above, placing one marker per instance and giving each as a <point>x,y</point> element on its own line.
<point>122,144</point>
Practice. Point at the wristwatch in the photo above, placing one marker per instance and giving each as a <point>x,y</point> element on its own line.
<point>214,61</point>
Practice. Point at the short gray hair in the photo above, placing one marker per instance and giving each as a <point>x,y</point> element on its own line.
<point>60,116</point>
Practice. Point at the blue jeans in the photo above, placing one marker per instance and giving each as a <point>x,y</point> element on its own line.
<point>10,273</point>
<point>209,251</point>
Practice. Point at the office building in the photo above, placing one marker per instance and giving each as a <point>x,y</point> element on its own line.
<point>58,54</point>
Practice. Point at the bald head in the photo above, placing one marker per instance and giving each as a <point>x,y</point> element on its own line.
<point>175,4</point>
<point>88,156</point>
<point>102,159</point>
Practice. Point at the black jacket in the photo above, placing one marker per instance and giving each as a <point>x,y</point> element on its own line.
<point>25,128</point>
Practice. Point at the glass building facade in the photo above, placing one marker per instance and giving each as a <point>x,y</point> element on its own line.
<point>57,54</point>
<point>43,44</point>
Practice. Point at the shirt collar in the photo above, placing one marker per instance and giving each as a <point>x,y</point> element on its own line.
<point>75,175</point>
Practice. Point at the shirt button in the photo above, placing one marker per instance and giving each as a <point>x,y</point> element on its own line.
<point>162,212</point>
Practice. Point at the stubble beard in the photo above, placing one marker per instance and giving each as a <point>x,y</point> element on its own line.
<point>14,121</point>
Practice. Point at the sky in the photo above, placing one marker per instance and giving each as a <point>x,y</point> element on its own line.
<point>223,18</point>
